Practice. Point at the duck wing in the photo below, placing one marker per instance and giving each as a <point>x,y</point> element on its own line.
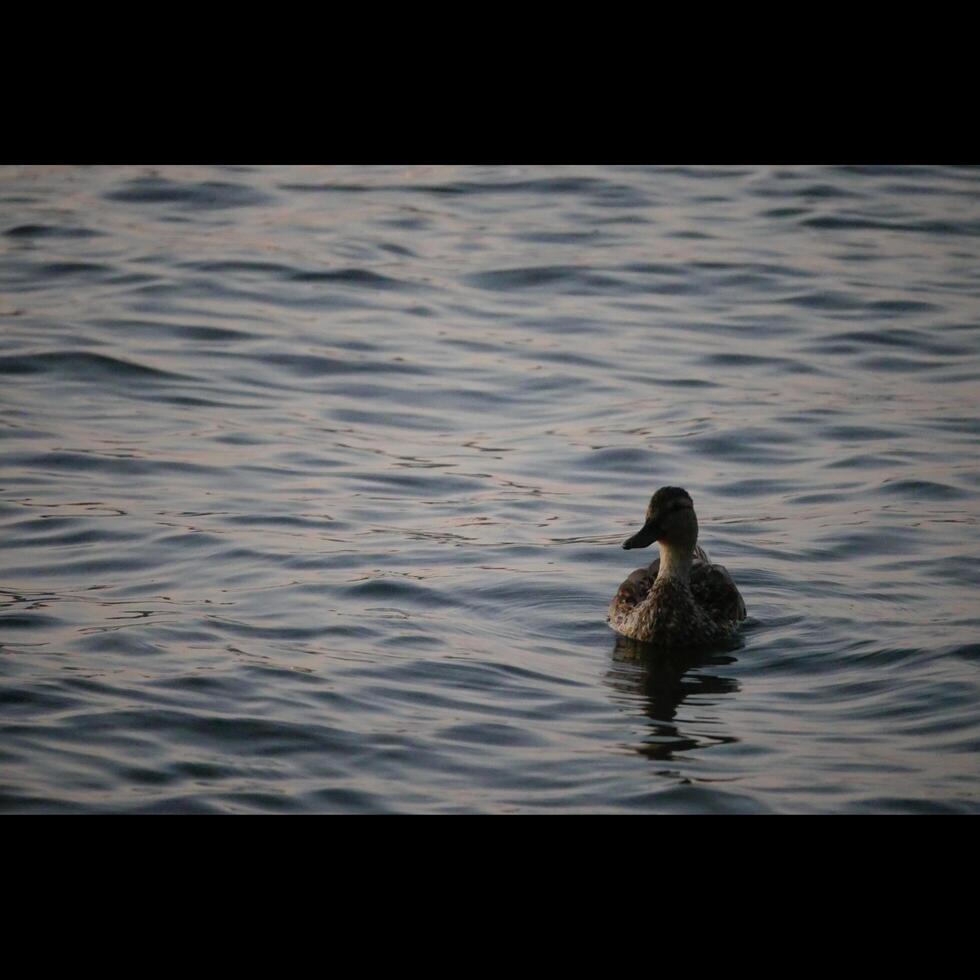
<point>714,590</point>
<point>635,587</point>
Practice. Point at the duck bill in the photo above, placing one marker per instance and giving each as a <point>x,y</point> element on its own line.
<point>644,537</point>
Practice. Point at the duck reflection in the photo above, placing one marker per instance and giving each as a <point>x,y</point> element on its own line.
<point>660,681</point>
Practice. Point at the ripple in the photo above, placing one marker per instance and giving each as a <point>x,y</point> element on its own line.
<point>42,231</point>
<point>541,276</point>
<point>315,365</point>
<point>81,365</point>
<point>203,195</point>
<point>916,489</point>
<point>364,278</point>
<point>925,227</point>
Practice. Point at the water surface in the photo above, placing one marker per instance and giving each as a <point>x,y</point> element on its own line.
<point>313,480</point>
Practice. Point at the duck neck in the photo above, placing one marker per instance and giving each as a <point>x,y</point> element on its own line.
<point>675,563</point>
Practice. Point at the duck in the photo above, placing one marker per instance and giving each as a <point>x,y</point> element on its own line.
<point>682,599</point>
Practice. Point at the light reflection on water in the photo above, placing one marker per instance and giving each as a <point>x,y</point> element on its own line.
<point>313,483</point>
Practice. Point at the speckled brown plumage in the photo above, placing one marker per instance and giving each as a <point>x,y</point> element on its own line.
<point>686,601</point>
<point>671,613</point>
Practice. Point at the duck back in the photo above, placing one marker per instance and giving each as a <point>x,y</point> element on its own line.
<point>672,613</point>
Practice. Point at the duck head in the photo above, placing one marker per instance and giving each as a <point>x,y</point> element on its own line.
<point>670,520</point>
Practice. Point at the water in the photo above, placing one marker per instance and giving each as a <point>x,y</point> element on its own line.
<point>313,482</point>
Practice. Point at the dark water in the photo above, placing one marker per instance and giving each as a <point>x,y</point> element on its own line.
<point>313,482</point>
